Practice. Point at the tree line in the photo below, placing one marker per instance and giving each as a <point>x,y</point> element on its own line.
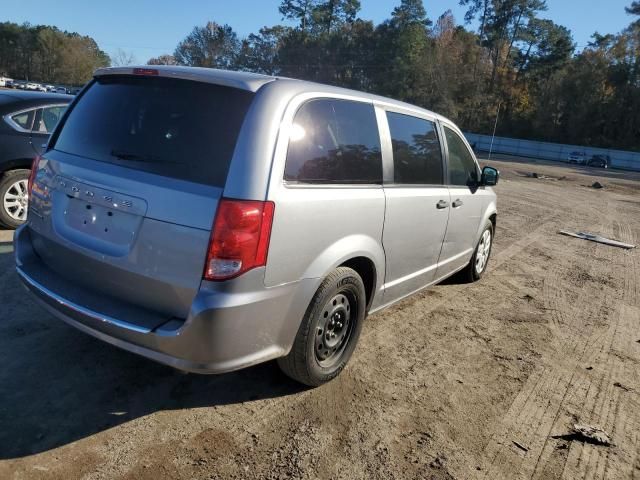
<point>516,64</point>
<point>46,54</point>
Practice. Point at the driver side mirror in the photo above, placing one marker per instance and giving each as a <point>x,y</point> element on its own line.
<point>489,177</point>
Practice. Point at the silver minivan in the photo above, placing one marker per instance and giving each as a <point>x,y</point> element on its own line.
<point>212,220</point>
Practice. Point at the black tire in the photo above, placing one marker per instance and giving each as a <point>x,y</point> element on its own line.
<point>470,272</point>
<point>6,181</point>
<point>338,296</point>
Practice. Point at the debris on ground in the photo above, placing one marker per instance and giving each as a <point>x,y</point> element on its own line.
<point>597,185</point>
<point>438,462</point>
<point>520,446</point>
<point>623,387</point>
<point>597,238</point>
<point>589,368</point>
<point>587,434</point>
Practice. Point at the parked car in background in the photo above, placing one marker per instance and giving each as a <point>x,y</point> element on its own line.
<point>26,121</point>
<point>61,90</point>
<point>577,158</point>
<point>213,220</point>
<point>50,88</point>
<point>600,161</point>
<point>6,82</point>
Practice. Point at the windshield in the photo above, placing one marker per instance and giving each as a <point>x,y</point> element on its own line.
<point>176,128</point>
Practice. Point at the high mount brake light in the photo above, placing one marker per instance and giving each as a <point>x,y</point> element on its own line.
<point>239,239</point>
<point>146,71</point>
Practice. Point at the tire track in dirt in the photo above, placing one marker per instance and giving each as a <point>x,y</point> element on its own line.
<point>538,407</point>
<point>613,406</point>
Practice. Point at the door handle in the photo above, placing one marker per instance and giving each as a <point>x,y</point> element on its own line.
<point>457,203</point>
<point>442,204</point>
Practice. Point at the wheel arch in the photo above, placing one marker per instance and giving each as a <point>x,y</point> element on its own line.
<point>16,164</point>
<point>366,268</point>
<point>362,253</point>
<point>494,220</point>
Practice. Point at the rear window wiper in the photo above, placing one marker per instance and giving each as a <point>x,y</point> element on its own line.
<point>135,157</point>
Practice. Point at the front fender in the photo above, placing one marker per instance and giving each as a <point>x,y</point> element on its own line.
<point>489,210</point>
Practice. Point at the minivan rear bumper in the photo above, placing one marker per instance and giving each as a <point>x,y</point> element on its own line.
<point>231,325</point>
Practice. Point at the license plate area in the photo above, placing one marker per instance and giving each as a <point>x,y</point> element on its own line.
<point>94,218</point>
<point>100,222</point>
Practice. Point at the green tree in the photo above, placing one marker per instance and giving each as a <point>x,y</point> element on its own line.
<point>213,46</point>
<point>299,10</point>
<point>332,14</point>
<point>259,52</point>
<point>403,49</point>
<point>164,59</point>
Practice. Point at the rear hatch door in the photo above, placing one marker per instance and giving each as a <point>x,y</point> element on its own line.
<point>125,198</point>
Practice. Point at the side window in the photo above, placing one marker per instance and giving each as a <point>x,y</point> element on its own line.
<point>462,166</point>
<point>417,158</point>
<point>47,118</point>
<point>334,141</point>
<point>23,120</point>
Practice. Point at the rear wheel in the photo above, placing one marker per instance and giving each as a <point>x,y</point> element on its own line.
<point>329,331</point>
<point>14,198</point>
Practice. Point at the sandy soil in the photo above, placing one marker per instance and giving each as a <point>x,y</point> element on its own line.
<point>459,382</point>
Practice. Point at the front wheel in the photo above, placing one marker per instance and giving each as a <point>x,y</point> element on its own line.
<point>329,331</point>
<point>478,263</point>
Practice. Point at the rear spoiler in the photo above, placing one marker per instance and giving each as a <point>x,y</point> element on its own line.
<point>242,80</point>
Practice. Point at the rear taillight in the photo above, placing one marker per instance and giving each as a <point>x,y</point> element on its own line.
<point>239,239</point>
<point>32,176</point>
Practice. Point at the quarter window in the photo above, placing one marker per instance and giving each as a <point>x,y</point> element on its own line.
<point>462,166</point>
<point>23,120</point>
<point>334,141</point>
<point>417,157</point>
<point>47,119</point>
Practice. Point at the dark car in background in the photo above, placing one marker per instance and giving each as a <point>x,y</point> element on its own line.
<point>26,121</point>
<point>600,161</point>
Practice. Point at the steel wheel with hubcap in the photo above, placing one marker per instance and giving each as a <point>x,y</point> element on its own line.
<point>14,198</point>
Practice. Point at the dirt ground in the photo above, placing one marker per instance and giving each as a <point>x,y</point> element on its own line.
<point>458,382</point>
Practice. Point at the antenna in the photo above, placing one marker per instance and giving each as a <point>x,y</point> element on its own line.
<point>495,126</point>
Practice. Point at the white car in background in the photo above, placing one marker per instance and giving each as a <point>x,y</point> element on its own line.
<point>35,86</point>
<point>577,157</point>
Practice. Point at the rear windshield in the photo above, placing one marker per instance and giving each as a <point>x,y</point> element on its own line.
<point>175,128</point>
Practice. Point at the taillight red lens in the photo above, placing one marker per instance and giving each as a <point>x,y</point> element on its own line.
<point>239,239</point>
<point>32,176</point>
